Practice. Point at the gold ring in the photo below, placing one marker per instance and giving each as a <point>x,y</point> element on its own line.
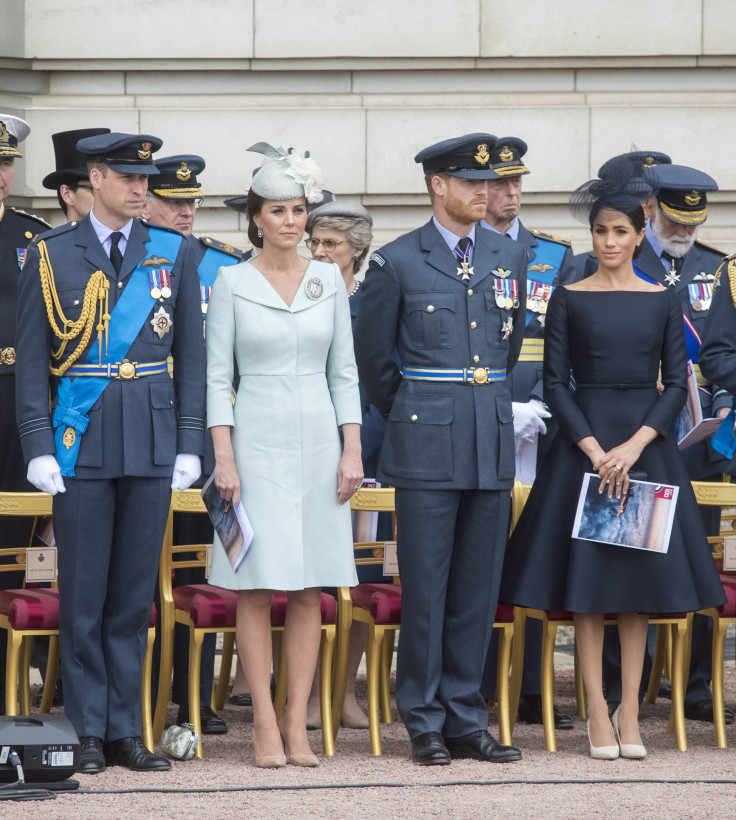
<point>619,467</point>
<point>356,487</point>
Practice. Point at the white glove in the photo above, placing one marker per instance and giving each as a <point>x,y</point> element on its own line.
<point>187,469</point>
<point>45,474</point>
<point>528,417</point>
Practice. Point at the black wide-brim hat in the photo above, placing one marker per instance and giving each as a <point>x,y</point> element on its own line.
<point>467,157</point>
<point>124,153</point>
<point>71,165</point>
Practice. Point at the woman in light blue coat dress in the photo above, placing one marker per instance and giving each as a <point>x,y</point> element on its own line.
<point>288,322</point>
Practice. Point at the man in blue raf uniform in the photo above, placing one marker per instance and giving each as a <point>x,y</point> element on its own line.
<point>172,200</point>
<point>17,228</point>
<point>451,299</point>
<point>70,180</point>
<point>101,305</point>
<point>550,263</point>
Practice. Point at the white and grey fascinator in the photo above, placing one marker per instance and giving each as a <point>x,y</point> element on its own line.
<point>287,174</point>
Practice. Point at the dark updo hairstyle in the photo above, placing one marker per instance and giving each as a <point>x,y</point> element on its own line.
<point>253,207</point>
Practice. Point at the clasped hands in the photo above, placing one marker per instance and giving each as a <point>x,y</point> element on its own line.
<point>613,468</point>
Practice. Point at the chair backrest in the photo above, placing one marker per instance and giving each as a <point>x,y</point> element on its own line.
<point>26,505</point>
<point>180,556</point>
<point>372,499</point>
<point>717,494</point>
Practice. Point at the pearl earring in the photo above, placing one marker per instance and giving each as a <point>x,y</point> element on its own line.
<point>260,232</point>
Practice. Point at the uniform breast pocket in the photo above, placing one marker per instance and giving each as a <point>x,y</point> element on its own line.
<point>71,302</point>
<point>432,320</point>
<point>418,441</point>
<point>163,417</point>
<point>495,318</point>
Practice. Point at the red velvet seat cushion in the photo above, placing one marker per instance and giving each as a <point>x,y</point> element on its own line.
<point>31,608</point>
<point>728,610</point>
<point>208,606</point>
<point>504,613</point>
<point>279,601</point>
<point>383,601</point>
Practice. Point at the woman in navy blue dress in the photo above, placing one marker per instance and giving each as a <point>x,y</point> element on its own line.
<point>614,332</point>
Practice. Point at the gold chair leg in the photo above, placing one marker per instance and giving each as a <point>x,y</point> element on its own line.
<point>502,682</point>
<point>517,664</point>
<point>146,721</point>
<point>344,624</point>
<point>389,638</point>
<point>52,673</point>
<point>279,701</point>
<point>166,668</point>
<point>325,688</point>
<point>581,701</point>
<point>195,659</point>
<point>15,642</point>
<point>720,628</point>
<point>24,685</point>
<point>219,695</point>
<point>373,660</point>
<point>548,685</point>
<point>679,676</point>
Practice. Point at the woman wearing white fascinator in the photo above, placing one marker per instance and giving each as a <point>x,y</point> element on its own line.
<point>278,448</point>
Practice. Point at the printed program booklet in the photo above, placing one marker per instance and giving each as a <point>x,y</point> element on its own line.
<point>641,519</point>
<point>230,522</point>
<point>690,426</point>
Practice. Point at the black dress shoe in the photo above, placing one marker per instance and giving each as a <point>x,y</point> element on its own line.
<point>429,750</point>
<point>240,700</point>
<point>212,723</point>
<point>703,710</point>
<point>132,753</point>
<point>91,758</point>
<point>481,746</point>
<point>530,711</point>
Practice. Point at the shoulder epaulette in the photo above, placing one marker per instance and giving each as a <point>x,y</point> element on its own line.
<point>35,218</point>
<point>223,247</point>
<point>60,229</point>
<point>709,247</point>
<point>551,238</point>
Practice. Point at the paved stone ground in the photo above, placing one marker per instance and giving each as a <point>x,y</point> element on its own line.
<point>700,783</point>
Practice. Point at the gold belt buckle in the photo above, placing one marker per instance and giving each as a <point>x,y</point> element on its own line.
<point>126,370</point>
<point>7,355</point>
<point>480,375</point>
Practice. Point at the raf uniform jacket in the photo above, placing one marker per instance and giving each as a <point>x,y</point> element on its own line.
<point>137,426</point>
<point>718,354</point>
<point>702,262</point>
<point>441,435</point>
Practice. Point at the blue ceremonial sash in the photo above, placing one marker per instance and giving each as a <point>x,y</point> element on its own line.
<point>76,397</point>
<point>692,339</point>
<point>545,266</point>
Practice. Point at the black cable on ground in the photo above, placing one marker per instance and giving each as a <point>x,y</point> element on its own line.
<point>440,784</point>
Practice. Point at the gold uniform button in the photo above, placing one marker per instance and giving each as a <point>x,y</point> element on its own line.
<point>415,417</point>
<point>470,291</point>
<point>29,235</point>
<point>473,325</point>
<point>476,359</point>
<point>430,308</point>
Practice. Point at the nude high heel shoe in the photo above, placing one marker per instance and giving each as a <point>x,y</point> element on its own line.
<point>602,752</point>
<point>308,760</point>
<point>269,761</point>
<point>633,751</point>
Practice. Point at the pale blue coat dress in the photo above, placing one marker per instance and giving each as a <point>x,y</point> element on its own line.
<point>298,383</point>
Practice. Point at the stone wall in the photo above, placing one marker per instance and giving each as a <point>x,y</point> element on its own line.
<point>365,86</point>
